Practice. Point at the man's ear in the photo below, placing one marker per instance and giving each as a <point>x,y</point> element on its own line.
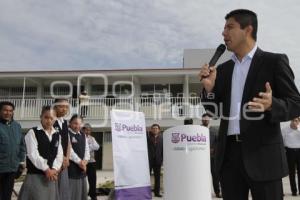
<point>249,30</point>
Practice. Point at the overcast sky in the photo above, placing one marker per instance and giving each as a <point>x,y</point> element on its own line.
<point>105,34</point>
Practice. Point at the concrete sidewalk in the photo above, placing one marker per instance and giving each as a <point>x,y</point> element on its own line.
<point>103,176</point>
<point>108,175</point>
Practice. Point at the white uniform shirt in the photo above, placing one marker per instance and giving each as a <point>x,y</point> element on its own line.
<point>33,154</point>
<point>74,157</point>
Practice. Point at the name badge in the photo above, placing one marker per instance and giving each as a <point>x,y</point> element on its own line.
<point>74,140</point>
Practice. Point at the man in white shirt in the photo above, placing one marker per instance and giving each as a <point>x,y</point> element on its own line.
<point>291,139</point>
<point>91,166</point>
<point>84,103</point>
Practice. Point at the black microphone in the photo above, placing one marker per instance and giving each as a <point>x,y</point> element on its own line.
<point>219,51</point>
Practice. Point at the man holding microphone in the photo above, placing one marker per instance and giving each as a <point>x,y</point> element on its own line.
<point>252,93</point>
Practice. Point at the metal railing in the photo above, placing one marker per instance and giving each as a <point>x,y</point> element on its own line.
<point>99,108</point>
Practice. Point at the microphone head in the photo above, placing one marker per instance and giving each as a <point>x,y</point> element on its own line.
<point>221,48</point>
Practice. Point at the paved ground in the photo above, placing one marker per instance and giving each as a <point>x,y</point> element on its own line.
<point>103,176</point>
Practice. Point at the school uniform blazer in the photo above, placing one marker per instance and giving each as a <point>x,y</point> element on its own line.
<point>263,152</point>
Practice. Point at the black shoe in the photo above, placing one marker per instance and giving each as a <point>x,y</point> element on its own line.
<point>294,194</point>
<point>218,195</point>
<point>158,195</point>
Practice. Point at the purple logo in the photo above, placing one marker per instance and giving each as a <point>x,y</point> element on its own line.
<point>182,137</point>
<point>132,128</point>
<point>118,127</point>
<point>175,137</point>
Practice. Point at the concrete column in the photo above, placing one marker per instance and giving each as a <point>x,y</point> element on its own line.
<point>136,92</point>
<point>137,86</point>
<point>186,92</point>
<point>88,87</point>
<point>186,86</point>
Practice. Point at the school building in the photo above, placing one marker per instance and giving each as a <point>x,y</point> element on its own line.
<point>165,95</point>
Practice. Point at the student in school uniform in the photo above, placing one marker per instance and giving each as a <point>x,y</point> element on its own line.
<point>44,160</point>
<point>61,108</point>
<point>78,159</point>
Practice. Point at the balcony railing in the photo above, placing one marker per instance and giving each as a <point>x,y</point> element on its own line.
<point>99,108</point>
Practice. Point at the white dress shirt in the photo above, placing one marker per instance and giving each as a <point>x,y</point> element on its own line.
<point>93,146</point>
<point>291,137</point>
<point>239,76</point>
<point>74,157</point>
<point>84,100</point>
<point>60,121</point>
<point>33,154</point>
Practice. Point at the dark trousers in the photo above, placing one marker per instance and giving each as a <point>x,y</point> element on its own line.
<point>215,178</point>
<point>156,169</point>
<point>293,159</point>
<point>92,179</point>
<point>236,183</point>
<point>7,181</point>
<point>83,111</point>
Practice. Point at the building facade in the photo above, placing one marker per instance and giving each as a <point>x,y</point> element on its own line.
<point>165,96</point>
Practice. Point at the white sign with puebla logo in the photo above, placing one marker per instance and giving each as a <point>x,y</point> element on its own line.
<point>187,163</point>
<point>130,155</point>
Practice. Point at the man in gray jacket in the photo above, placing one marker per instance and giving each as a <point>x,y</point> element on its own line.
<point>12,149</point>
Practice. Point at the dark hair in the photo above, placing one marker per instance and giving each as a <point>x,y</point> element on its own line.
<point>6,103</point>
<point>155,125</point>
<point>206,115</point>
<point>245,18</point>
<point>58,100</point>
<point>188,121</point>
<point>75,116</point>
<point>45,109</point>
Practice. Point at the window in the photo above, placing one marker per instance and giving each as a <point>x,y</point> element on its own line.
<point>97,90</point>
<point>30,92</point>
<point>148,88</point>
<point>123,89</point>
<point>107,138</point>
<point>57,90</point>
<point>16,92</point>
<point>4,92</point>
<point>176,89</point>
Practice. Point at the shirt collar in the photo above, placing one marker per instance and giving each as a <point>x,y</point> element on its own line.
<point>60,119</point>
<point>248,56</point>
<point>3,121</point>
<point>40,127</point>
<point>206,126</point>
<point>74,131</point>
